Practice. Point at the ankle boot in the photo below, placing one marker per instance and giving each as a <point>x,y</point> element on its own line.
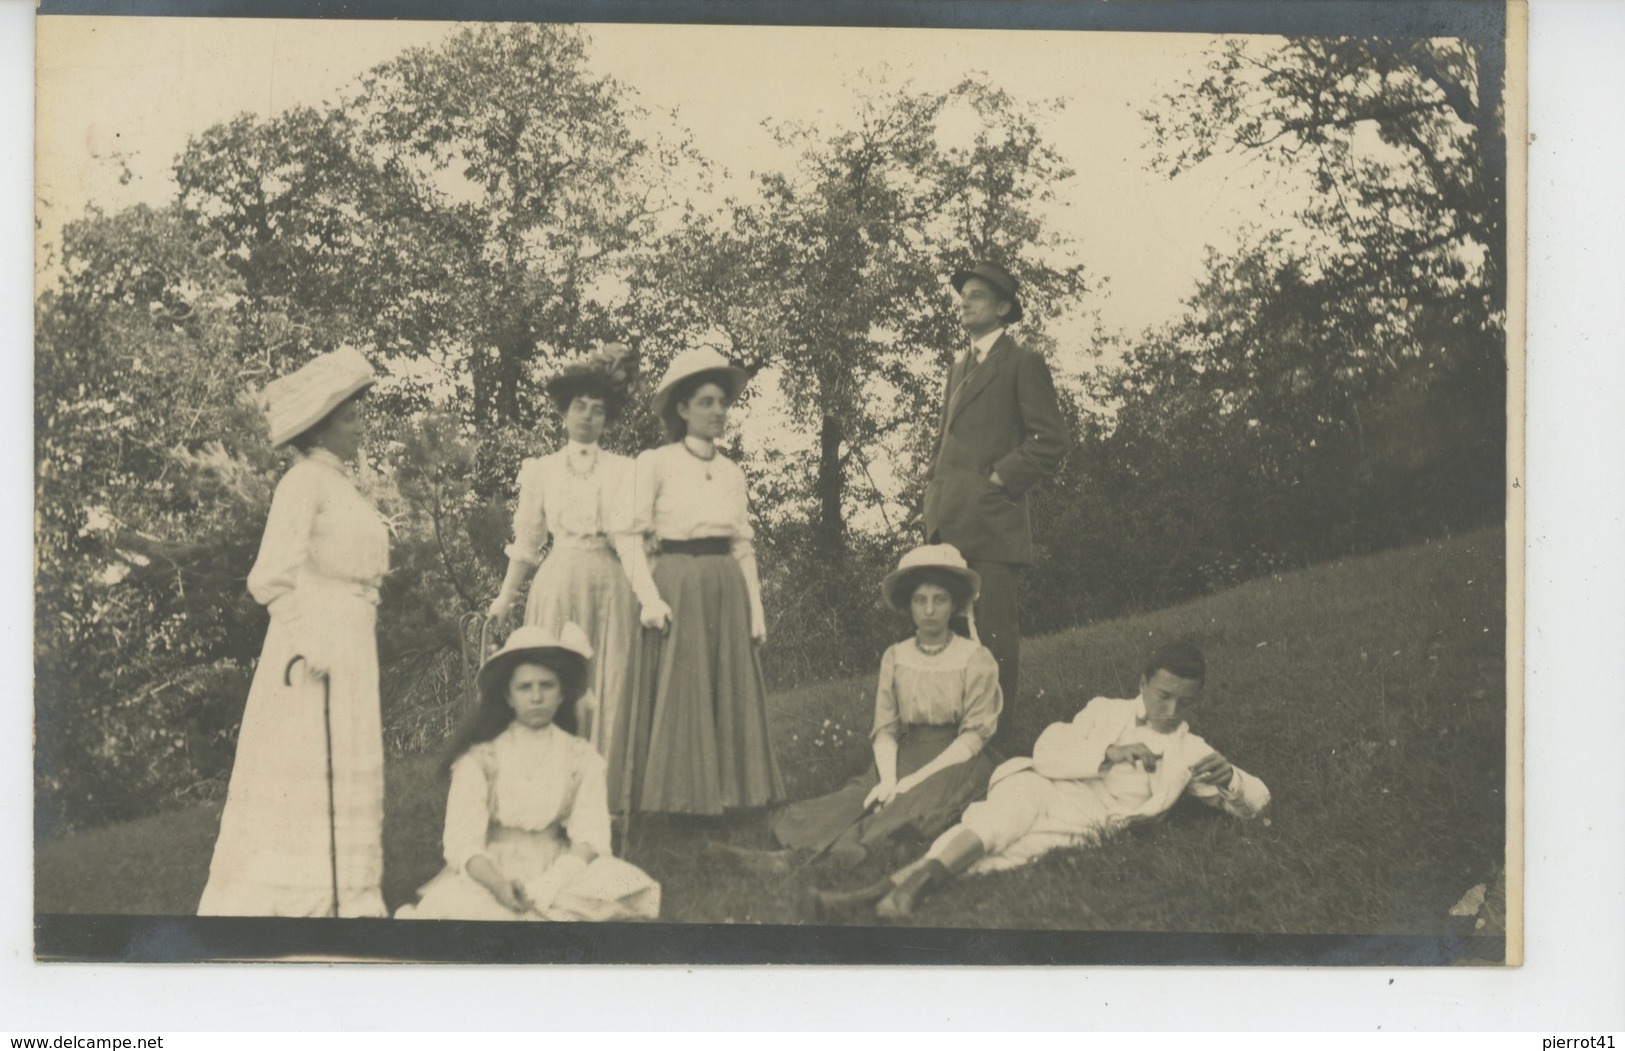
<point>899,904</point>
<point>827,902</point>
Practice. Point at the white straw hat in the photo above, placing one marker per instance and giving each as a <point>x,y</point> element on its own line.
<point>944,557</point>
<point>535,643</point>
<point>300,400</point>
<point>692,363</point>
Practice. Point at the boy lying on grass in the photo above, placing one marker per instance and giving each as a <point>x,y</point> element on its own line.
<point>1114,765</point>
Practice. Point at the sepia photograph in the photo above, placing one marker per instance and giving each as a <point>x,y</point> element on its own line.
<point>943,486</point>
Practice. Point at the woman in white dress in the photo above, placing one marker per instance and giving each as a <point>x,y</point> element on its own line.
<point>303,820</point>
<point>596,575</point>
<point>527,819</point>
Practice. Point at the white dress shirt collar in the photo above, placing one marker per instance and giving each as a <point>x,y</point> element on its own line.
<point>982,344</point>
<point>575,448</point>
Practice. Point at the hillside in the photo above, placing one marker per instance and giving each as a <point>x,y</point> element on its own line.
<point>1369,694</point>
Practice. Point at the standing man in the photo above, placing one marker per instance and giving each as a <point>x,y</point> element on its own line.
<point>1001,433</point>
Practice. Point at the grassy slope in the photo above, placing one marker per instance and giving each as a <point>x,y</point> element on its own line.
<point>1369,694</point>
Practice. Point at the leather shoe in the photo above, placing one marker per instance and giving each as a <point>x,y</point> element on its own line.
<point>826,903</point>
<point>899,904</point>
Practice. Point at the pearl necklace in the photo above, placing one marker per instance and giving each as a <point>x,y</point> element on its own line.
<point>703,459</point>
<point>569,464</point>
<point>932,651</point>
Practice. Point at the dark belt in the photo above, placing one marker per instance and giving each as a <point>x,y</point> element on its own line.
<point>705,545</point>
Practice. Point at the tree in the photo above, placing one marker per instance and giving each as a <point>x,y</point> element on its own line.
<point>1370,339</point>
<point>279,202</point>
<point>471,212</point>
<point>1335,385</point>
<point>530,190</point>
<point>152,479</point>
<point>1404,143</point>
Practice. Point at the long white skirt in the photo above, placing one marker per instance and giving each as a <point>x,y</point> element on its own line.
<point>275,855</point>
<point>607,889</point>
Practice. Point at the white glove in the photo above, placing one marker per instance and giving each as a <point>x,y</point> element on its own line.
<point>656,615</point>
<point>501,606</point>
<point>880,795</point>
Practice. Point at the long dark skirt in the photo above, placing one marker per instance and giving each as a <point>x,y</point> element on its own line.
<point>928,809</point>
<point>702,743</point>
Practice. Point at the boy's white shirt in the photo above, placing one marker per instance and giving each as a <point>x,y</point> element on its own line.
<point>1074,751</point>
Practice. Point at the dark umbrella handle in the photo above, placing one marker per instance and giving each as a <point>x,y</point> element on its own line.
<point>287,673</point>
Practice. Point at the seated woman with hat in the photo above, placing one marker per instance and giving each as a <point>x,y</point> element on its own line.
<point>699,732</point>
<point>302,830</point>
<point>527,819</point>
<point>936,707</point>
<point>596,575</point>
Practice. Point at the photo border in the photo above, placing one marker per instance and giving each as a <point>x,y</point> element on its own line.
<point>127,938</point>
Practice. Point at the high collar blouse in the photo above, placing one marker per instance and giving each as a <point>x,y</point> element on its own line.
<point>530,780</point>
<point>321,532</point>
<point>679,496</point>
<point>580,492</point>
<point>682,497</point>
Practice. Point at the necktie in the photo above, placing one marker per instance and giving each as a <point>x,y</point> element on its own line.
<point>967,365</point>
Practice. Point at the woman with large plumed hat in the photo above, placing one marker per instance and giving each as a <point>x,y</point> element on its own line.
<point>699,731</point>
<point>595,574</point>
<point>527,833</point>
<point>303,821</point>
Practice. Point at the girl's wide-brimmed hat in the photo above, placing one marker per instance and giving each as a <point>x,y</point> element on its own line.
<point>612,369</point>
<point>300,400</point>
<point>999,278</point>
<point>534,644</point>
<point>898,587</point>
<point>692,363</point>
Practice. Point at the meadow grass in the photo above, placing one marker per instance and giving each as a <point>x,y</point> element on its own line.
<point>1369,694</point>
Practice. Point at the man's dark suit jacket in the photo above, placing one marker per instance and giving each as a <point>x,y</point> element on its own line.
<point>1003,418</point>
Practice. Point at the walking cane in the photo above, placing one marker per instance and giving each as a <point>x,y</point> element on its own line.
<point>821,851</point>
<point>332,817</point>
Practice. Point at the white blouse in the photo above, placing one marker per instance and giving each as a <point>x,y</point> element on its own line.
<point>321,533</point>
<point>581,495</point>
<point>682,497</point>
<point>578,491</point>
<point>529,780</point>
<point>957,687</point>
<point>679,496</point>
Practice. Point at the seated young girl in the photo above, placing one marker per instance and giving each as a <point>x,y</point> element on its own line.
<point>936,706</point>
<point>527,819</point>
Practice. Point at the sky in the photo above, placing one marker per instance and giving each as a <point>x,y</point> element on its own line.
<point>131,91</point>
